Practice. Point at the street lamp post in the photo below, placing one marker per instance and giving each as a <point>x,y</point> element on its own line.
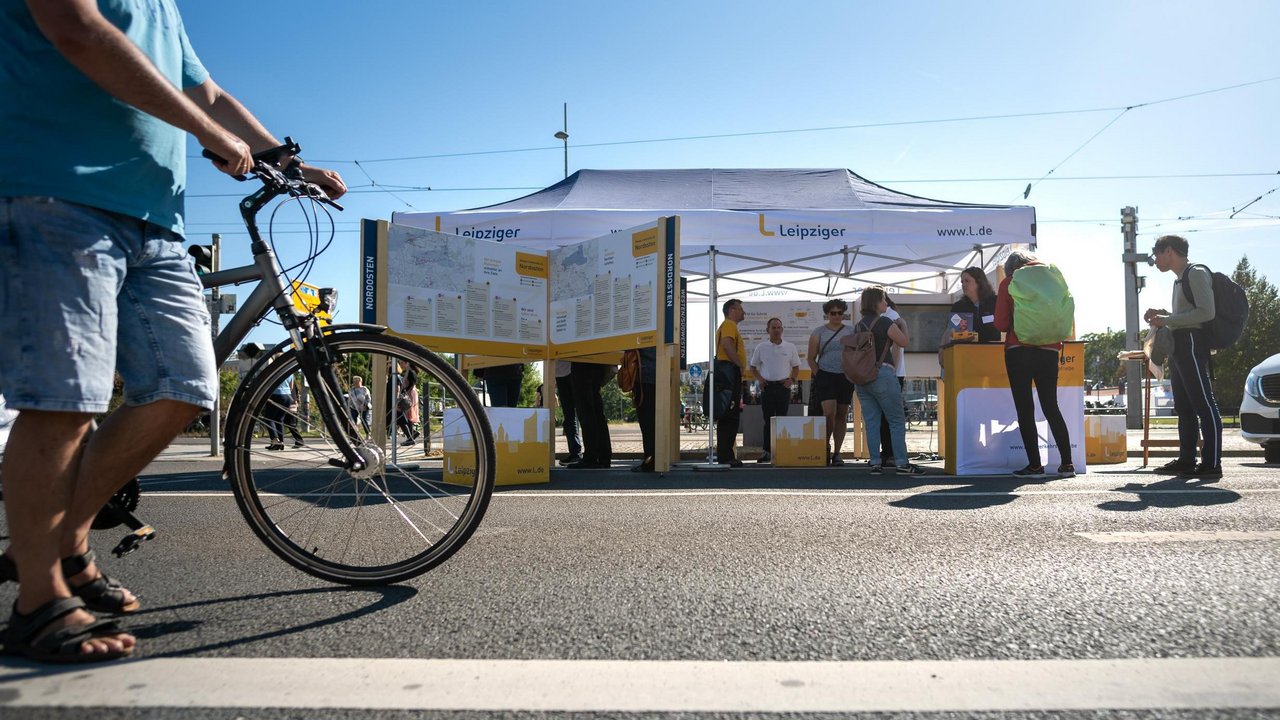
<point>563,135</point>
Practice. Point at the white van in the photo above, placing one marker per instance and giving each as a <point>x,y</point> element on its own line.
<point>1260,409</point>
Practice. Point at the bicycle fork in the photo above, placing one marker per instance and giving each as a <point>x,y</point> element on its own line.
<point>317,362</point>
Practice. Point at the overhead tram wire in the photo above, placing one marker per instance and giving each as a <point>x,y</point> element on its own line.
<point>375,184</point>
<point>1031,185</point>
<point>364,189</point>
<point>832,128</point>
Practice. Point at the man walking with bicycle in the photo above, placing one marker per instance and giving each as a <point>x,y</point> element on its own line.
<point>99,97</point>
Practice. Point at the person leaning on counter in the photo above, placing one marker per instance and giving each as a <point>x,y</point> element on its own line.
<point>978,299</point>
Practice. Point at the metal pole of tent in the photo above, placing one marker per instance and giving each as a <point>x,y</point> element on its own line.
<point>712,462</point>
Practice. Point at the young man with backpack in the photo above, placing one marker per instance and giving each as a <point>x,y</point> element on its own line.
<point>1194,310</point>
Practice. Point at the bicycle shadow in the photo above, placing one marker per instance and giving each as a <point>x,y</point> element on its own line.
<point>388,597</point>
<point>1174,492</point>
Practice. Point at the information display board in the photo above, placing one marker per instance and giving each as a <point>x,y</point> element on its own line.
<point>799,319</point>
<point>454,293</point>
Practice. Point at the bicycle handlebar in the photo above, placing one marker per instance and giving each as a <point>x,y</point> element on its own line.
<point>286,182</point>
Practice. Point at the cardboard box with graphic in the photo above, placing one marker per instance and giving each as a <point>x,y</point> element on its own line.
<point>1106,441</point>
<point>522,446</point>
<point>799,441</point>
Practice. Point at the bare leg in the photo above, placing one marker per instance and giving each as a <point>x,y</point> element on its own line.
<point>127,441</point>
<point>40,465</point>
<point>835,415</point>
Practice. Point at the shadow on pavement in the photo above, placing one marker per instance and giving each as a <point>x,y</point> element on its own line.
<point>751,476</point>
<point>989,492</point>
<point>1171,493</point>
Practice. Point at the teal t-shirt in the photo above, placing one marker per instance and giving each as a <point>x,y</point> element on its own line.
<point>65,137</point>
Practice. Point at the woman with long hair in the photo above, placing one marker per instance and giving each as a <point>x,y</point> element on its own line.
<point>1029,365</point>
<point>882,397</point>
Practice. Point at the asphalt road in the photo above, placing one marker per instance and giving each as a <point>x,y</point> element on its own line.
<point>1117,594</point>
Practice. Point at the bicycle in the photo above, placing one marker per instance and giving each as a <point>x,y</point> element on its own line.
<point>343,510</point>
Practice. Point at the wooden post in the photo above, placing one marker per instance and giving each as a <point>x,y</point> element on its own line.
<point>1146,415</point>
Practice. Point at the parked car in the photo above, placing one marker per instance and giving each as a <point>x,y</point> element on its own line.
<point>1260,410</point>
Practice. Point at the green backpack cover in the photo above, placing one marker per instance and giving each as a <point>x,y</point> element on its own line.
<point>1043,310</point>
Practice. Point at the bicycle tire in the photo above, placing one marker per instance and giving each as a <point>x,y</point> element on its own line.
<point>388,523</point>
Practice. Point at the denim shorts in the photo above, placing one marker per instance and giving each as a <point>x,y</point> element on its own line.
<point>84,292</point>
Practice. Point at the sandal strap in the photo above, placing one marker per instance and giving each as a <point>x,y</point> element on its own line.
<point>99,587</point>
<point>76,564</point>
<point>26,627</point>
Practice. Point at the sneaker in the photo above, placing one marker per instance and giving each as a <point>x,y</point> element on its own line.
<point>276,446</point>
<point>1030,471</point>
<point>877,469</point>
<point>571,460</point>
<point>733,463</point>
<point>299,444</point>
<point>1175,467</point>
<point>1067,470</point>
<point>765,458</point>
<point>910,469</point>
<point>835,460</point>
<point>1203,472</point>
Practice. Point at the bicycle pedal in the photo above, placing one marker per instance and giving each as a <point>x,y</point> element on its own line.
<point>133,541</point>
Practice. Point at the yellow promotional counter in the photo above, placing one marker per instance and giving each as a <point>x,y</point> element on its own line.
<point>978,427</point>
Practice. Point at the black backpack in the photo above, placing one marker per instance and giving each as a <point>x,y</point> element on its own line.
<point>1231,309</point>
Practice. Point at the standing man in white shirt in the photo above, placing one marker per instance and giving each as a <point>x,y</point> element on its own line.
<point>776,364</point>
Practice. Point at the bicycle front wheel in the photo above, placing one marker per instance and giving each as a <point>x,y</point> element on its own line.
<point>429,461</point>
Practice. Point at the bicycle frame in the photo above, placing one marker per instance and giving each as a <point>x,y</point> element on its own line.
<point>304,331</point>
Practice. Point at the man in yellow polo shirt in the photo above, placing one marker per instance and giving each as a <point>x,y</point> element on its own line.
<point>731,358</point>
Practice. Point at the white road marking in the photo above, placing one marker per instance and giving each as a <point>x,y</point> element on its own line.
<point>920,491</point>
<point>1180,536</point>
<point>652,686</point>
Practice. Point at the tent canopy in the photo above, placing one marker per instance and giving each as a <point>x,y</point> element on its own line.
<point>792,232</point>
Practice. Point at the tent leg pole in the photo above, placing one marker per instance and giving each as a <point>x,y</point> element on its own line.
<point>712,462</point>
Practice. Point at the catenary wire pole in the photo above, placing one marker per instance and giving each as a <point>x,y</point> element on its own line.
<point>1132,286</point>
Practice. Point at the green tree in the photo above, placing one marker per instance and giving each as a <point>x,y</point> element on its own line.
<point>1261,338</point>
<point>1100,361</point>
<point>529,386</point>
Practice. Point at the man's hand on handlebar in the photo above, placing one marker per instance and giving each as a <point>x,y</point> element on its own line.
<point>328,180</point>
<point>237,159</point>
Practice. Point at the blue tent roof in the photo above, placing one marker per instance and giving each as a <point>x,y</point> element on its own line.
<point>719,189</point>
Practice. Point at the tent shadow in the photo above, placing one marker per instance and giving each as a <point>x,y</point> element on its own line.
<point>1171,493</point>
<point>989,492</point>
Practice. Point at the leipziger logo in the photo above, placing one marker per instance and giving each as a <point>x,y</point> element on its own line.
<point>800,231</point>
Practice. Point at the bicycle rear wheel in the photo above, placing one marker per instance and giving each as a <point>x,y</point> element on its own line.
<point>412,507</point>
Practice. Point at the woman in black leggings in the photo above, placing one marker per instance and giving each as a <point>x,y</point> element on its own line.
<point>1027,365</point>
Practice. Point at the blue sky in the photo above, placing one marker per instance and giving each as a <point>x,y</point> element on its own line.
<point>378,80</point>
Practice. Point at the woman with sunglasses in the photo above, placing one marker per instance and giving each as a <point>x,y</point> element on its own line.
<point>832,388</point>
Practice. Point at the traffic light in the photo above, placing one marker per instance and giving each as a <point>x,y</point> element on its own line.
<point>203,256</point>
